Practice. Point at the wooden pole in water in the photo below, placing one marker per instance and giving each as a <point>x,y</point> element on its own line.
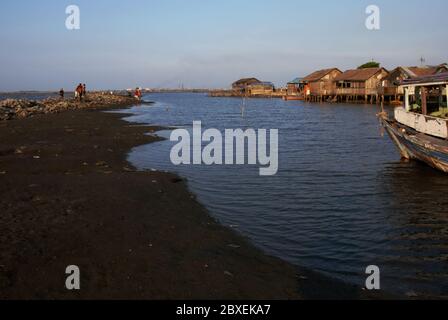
<point>446,93</point>
<point>406,99</point>
<point>424,102</point>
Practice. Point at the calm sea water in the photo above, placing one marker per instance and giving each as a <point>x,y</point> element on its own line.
<point>342,199</point>
<point>28,95</point>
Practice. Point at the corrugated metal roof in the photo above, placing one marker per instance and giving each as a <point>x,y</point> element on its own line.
<point>358,74</point>
<point>423,71</point>
<point>413,72</point>
<point>317,75</point>
<point>296,81</point>
<point>246,81</point>
<point>436,78</point>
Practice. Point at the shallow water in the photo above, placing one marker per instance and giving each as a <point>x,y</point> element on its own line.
<point>342,199</point>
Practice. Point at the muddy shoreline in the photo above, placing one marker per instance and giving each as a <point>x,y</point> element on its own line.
<point>69,197</point>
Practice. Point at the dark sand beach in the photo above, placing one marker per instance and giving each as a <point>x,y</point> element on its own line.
<point>69,197</point>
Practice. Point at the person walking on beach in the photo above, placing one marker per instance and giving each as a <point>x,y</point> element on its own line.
<point>84,90</point>
<point>78,92</point>
<point>62,93</point>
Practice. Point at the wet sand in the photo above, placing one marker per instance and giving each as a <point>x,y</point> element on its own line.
<point>69,197</point>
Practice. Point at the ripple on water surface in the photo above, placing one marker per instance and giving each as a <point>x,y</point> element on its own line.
<point>341,201</point>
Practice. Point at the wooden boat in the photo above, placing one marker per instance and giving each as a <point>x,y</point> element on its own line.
<point>420,135</point>
<point>292,98</point>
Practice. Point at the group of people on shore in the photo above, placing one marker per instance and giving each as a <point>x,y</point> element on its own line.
<point>80,92</point>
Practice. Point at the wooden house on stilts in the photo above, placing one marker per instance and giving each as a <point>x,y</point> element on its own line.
<point>360,85</point>
<point>319,85</point>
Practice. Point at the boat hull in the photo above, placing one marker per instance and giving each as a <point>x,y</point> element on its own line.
<point>293,98</point>
<point>417,146</point>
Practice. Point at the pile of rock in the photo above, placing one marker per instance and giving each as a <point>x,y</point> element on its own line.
<point>19,108</point>
<point>10,108</point>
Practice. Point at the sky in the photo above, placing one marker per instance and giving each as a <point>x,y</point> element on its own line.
<point>208,43</point>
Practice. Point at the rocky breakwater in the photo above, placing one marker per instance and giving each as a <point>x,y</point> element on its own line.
<point>21,108</point>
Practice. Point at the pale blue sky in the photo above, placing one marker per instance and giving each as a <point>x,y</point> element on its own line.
<point>208,43</point>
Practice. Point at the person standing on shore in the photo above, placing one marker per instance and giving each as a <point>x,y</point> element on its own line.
<point>84,91</point>
<point>78,92</point>
<point>138,94</point>
<point>62,93</point>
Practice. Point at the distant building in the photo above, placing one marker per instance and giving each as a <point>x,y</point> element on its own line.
<point>261,89</point>
<point>365,83</point>
<point>320,83</point>
<point>293,87</point>
<point>241,85</point>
